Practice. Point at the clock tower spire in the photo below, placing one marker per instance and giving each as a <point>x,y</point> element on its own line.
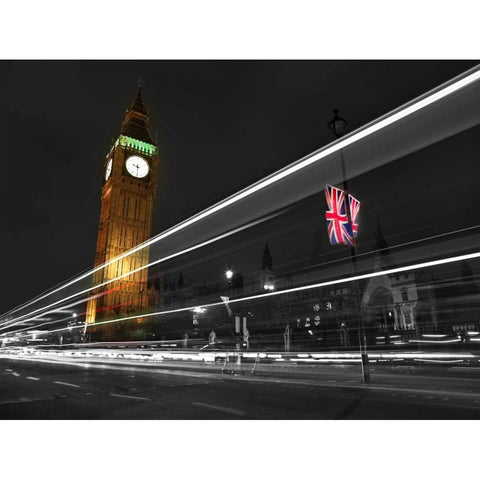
<point>129,187</point>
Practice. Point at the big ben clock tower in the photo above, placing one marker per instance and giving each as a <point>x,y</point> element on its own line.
<point>130,182</point>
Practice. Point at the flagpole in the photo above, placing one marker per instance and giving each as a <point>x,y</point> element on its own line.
<point>338,125</point>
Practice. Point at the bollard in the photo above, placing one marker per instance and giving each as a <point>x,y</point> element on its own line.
<point>239,362</point>
<point>255,364</point>
<point>225,363</point>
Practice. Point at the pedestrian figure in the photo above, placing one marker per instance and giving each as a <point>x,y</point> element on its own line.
<point>212,337</point>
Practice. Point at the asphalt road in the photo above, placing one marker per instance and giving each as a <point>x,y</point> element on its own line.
<point>33,389</point>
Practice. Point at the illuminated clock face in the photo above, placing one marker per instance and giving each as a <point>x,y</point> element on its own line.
<point>108,170</point>
<point>137,166</point>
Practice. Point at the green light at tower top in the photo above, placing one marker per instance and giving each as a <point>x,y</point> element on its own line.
<point>135,144</point>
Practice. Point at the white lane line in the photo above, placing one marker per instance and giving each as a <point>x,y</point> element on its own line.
<point>8,370</point>
<point>33,378</point>
<point>68,384</point>
<point>221,409</point>
<point>16,374</point>
<point>129,396</point>
<point>23,400</point>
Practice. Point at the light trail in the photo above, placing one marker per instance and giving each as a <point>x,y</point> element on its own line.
<point>407,268</point>
<point>37,326</point>
<point>130,397</point>
<point>455,340</point>
<point>383,122</point>
<point>68,384</point>
<point>393,247</point>
<point>354,278</point>
<point>15,321</point>
<point>152,357</point>
<point>18,321</point>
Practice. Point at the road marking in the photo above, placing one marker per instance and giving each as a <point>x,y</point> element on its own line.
<point>16,374</point>
<point>89,393</point>
<point>68,384</point>
<point>8,370</point>
<point>221,409</point>
<point>23,400</point>
<point>129,396</point>
<point>33,378</point>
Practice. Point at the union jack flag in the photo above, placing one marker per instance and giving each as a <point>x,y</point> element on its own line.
<point>338,227</point>
<point>354,209</point>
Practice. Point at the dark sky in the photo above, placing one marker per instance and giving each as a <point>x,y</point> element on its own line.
<point>221,125</point>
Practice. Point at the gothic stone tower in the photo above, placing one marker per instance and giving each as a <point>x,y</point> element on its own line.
<point>267,277</point>
<point>130,182</point>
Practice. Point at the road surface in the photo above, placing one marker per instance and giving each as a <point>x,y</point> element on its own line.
<point>34,389</point>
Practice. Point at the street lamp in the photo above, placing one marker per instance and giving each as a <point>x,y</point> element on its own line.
<point>229,274</point>
<point>338,126</point>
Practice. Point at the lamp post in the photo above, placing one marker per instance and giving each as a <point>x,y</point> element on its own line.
<point>235,281</point>
<point>229,277</point>
<point>338,126</point>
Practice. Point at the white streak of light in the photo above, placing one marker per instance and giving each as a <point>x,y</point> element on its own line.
<point>19,321</point>
<point>455,340</point>
<point>68,384</point>
<point>417,266</point>
<point>15,321</point>
<point>129,396</point>
<point>436,361</point>
<point>340,144</point>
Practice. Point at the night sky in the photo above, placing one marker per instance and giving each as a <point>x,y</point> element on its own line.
<point>221,125</point>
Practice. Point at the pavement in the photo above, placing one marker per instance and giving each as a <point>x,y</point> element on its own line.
<point>77,388</point>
